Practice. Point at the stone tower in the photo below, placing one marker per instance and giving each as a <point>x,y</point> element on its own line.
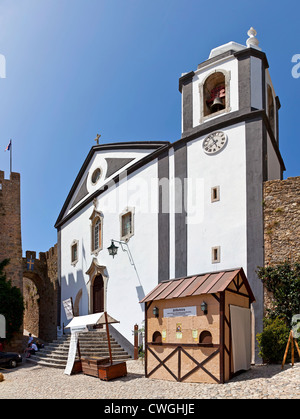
<point>10,234</point>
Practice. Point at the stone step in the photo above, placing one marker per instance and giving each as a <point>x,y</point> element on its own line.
<point>92,344</point>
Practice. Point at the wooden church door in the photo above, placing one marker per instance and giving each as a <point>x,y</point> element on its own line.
<point>98,295</point>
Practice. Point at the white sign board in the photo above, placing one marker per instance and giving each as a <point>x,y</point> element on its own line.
<point>180,311</point>
<point>2,327</point>
<point>68,306</point>
<point>72,353</point>
<point>296,325</point>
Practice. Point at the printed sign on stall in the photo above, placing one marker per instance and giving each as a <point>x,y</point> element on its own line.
<point>180,311</point>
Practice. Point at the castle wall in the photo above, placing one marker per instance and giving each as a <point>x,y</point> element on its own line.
<point>10,235</point>
<point>282,220</point>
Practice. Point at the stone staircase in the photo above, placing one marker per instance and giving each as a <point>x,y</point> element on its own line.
<point>92,344</point>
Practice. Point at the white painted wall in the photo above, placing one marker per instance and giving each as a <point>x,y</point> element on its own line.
<point>140,192</point>
<point>221,223</point>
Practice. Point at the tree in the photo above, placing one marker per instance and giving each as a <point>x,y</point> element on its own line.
<point>283,281</point>
<point>11,303</point>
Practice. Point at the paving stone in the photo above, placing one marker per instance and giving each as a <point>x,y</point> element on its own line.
<point>31,381</point>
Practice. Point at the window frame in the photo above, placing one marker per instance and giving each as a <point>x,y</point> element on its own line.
<point>215,194</point>
<point>96,217</point>
<point>216,259</point>
<point>74,244</point>
<point>125,237</point>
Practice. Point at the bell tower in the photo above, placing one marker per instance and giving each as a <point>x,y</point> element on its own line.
<point>230,140</point>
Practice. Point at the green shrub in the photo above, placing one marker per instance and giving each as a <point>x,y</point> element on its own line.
<point>283,281</point>
<point>11,303</point>
<point>273,340</point>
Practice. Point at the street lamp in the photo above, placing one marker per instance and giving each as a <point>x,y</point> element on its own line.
<point>112,249</point>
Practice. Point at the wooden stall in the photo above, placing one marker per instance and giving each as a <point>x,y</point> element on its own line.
<point>103,368</point>
<point>198,328</point>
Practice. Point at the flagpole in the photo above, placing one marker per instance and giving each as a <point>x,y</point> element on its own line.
<point>10,156</point>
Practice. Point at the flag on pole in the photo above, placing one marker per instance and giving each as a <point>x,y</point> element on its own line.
<point>8,147</point>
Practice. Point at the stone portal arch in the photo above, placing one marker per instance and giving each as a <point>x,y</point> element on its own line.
<point>96,272</point>
<point>41,300</point>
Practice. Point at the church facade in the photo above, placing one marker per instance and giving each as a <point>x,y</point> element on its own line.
<point>176,209</point>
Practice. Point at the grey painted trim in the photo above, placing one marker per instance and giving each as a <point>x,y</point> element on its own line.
<point>244,75</point>
<point>255,227</point>
<point>180,160</point>
<point>163,218</point>
<point>115,164</point>
<point>252,52</point>
<point>187,106</point>
<point>216,59</point>
<point>81,193</point>
<point>265,153</point>
<point>186,88</point>
<point>263,87</point>
<point>185,79</point>
<point>122,341</point>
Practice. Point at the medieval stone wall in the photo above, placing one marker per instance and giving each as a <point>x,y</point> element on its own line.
<point>10,235</point>
<point>282,220</point>
<point>281,224</point>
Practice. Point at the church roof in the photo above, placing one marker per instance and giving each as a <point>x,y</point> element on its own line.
<point>154,147</point>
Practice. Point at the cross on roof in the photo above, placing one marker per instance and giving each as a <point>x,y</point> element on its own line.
<point>97,139</point>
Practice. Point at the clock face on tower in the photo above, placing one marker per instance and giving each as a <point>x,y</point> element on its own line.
<point>214,142</point>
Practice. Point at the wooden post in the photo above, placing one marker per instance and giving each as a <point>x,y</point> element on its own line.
<point>292,343</point>
<point>297,347</point>
<point>287,348</point>
<point>108,338</point>
<point>136,342</point>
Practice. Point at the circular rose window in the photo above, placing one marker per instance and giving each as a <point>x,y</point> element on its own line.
<point>96,176</point>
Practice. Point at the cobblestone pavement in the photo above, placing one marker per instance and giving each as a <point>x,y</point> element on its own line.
<point>36,382</point>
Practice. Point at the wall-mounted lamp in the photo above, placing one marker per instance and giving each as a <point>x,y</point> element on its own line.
<point>204,307</point>
<point>112,249</point>
<point>155,311</point>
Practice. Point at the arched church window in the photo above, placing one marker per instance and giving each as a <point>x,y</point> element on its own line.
<point>96,240</point>
<point>96,232</point>
<point>214,93</point>
<point>271,109</point>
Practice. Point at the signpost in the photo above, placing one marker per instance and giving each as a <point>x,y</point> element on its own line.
<point>2,327</point>
<point>293,336</point>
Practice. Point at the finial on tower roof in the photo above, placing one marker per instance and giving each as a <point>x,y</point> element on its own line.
<point>252,41</point>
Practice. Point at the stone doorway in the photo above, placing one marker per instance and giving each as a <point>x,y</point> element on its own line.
<point>98,294</point>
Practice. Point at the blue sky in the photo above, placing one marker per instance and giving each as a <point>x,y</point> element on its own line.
<point>78,67</point>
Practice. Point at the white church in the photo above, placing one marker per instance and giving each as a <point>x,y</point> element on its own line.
<point>140,213</point>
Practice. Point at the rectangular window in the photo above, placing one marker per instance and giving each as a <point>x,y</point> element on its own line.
<point>215,194</point>
<point>126,224</point>
<point>215,254</point>
<point>74,252</point>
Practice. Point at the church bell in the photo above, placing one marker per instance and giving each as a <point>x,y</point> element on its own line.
<point>217,105</point>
